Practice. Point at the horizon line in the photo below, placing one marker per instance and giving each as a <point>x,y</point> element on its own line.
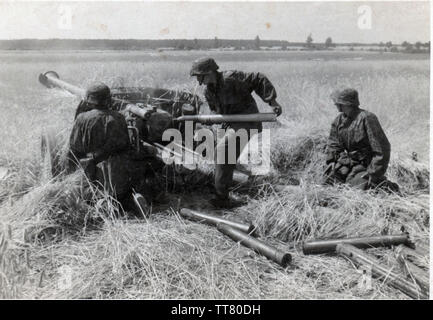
<point>189,39</point>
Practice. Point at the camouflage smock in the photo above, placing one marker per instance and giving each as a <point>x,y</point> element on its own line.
<point>103,132</point>
<point>232,94</point>
<point>362,140</point>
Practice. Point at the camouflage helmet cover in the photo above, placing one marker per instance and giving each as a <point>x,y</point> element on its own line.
<point>348,97</point>
<point>97,92</point>
<point>203,66</point>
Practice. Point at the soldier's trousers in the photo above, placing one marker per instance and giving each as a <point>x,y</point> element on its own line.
<point>352,176</point>
<point>227,153</point>
<point>355,177</point>
<point>120,173</point>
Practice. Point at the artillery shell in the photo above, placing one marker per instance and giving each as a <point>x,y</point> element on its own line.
<point>274,254</point>
<point>327,246</point>
<point>214,220</point>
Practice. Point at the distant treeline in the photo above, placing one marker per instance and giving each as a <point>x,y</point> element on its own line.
<point>188,44</point>
<point>133,44</point>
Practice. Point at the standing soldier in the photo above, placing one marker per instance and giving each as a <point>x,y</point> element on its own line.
<point>358,150</point>
<point>229,92</point>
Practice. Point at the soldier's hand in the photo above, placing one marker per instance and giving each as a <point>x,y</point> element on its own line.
<point>369,178</point>
<point>278,110</point>
<point>89,167</point>
<point>365,176</point>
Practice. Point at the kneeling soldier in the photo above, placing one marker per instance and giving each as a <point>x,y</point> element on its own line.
<point>358,150</point>
<point>99,143</point>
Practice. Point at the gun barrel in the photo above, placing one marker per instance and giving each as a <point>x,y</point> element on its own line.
<point>327,246</point>
<point>214,220</point>
<point>51,79</point>
<point>362,259</point>
<point>274,254</point>
<point>221,118</point>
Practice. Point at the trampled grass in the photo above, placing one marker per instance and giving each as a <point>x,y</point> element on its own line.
<point>94,255</point>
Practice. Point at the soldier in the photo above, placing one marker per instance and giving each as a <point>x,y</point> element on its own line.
<point>229,92</point>
<point>98,139</point>
<point>358,150</point>
<point>83,106</point>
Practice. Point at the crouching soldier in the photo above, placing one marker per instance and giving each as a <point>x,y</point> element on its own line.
<point>358,150</point>
<point>229,92</point>
<point>99,143</point>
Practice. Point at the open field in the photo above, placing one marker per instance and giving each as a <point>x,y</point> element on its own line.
<point>167,257</point>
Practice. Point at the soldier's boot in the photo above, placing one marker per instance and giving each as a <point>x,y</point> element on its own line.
<point>389,187</point>
<point>229,202</point>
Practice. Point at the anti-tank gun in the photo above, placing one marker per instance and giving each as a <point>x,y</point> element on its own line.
<point>148,112</point>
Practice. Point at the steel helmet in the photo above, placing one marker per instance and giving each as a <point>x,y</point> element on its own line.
<point>203,66</point>
<point>97,92</point>
<point>346,97</point>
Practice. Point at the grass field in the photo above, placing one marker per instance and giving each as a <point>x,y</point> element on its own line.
<point>167,257</point>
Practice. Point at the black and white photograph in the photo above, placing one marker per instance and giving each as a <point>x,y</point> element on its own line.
<point>235,151</point>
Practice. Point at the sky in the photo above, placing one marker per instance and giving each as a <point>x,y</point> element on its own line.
<point>365,22</point>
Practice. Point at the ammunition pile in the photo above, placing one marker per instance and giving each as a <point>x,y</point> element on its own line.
<point>240,232</point>
<point>414,282</point>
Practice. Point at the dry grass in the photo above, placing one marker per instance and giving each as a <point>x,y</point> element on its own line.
<point>86,252</point>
